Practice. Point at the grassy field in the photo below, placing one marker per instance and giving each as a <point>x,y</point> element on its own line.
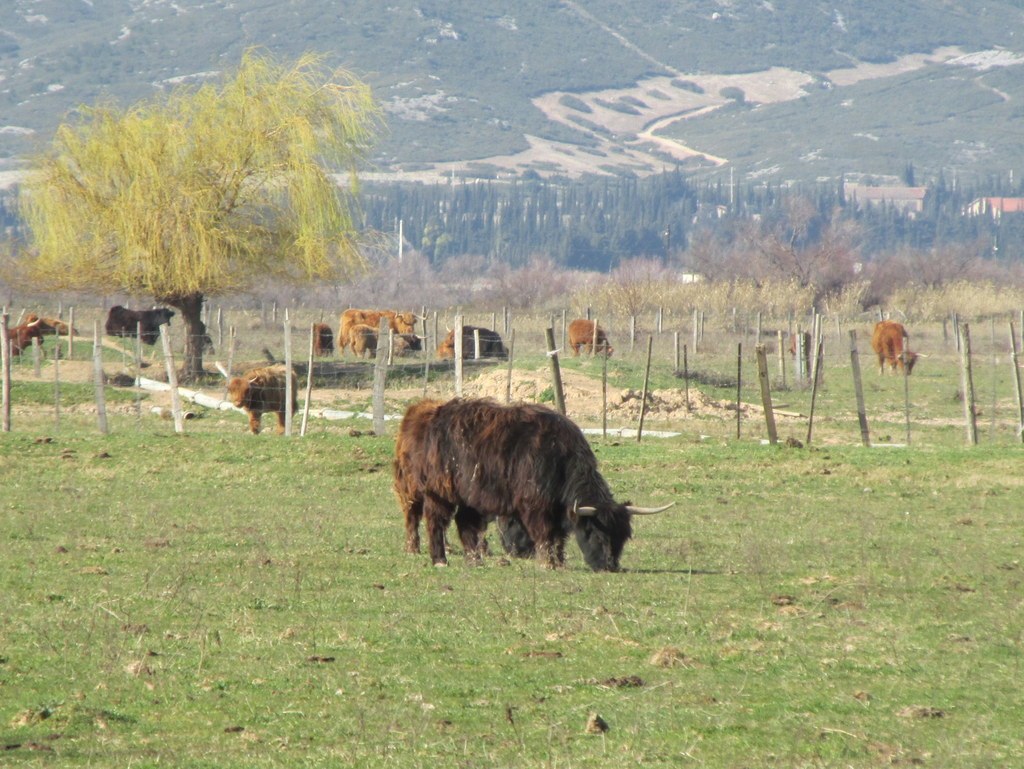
<point>215,599</point>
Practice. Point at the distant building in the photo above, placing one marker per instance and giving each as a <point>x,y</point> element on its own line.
<point>994,207</point>
<point>909,200</point>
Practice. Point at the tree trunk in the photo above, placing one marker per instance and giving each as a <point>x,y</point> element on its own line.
<point>191,308</point>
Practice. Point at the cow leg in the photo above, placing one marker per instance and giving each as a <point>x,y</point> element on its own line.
<point>413,514</point>
<point>549,542</point>
<point>472,526</point>
<point>254,422</point>
<point>438,514</point>
<point>280,422</point>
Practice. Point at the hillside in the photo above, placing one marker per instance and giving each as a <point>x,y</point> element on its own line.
<point>780,89</point>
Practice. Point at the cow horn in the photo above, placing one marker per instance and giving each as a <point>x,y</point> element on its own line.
<point>585,511</point>
<point>222,370</point>
<point>647,510</point>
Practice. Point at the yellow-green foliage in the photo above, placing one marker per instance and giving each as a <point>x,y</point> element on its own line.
<point>772,297</point>
<point>207,189</point>
<point>967,299</point>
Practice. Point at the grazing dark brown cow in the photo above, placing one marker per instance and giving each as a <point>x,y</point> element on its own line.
<point>581,335</point>
<point>491,345</point>
<point>261,391</point>
<point>21,336</point>
<point>124,322</point>
<point>399,322</point>
<point>323,340</point>
<point>889,341</point>
<point>474,461</point>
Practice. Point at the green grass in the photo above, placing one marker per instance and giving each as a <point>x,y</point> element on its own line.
<point>217,599</point>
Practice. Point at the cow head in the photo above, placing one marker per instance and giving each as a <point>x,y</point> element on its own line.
<point>447,348</point>
<point>405,322</point>
<point>162,315</point>
<point>237,390</point>
<point>909,359</point>
<point>602,532</point>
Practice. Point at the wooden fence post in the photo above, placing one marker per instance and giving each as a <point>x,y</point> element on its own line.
<point>906,392</point>
<point>556,372</point>
<point>858,389</point>
<point>604,397</point>
<point>97,372</point>
<point>289,395</point>
<point>71,335</point>
<point>172,379</point>
<point>643,394</point>
<point>508,374</point>
<point>766,393</point>
<point>967,384</point>
<point>815,380</point>
<point>739,385</point>
<point>458,355</point>
<point>380,369</point>
<point>5,372</point>
<point>686,378</point>
<point>309,382</point>
<point>1016,382</point>
<point>56,390</point>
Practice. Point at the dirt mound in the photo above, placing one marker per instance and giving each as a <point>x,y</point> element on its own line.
<point>583,396</point>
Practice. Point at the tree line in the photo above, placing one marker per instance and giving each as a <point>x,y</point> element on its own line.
<point>597,224</point>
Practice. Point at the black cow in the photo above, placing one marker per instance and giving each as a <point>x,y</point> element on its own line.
<point>124,322</point>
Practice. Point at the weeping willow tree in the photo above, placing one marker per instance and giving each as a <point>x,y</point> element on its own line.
<point>207,190</point>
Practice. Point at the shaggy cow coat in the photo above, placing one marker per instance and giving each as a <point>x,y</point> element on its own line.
<point>491,345</point>
<point>21,336</point>
<point>581,335</point>
<point>399,322</point>
<point>363,339</point>
<point>474,460</point>
<point>124,322</point>
<point>888,340</point>
<point>323,340</point>
<point>48,326</point>
<point>263,390</point>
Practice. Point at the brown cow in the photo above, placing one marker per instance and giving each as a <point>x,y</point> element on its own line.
<point>474,460</point>
<point>362,339</point>
<point>399,322</point>
<point>21,336</point>
<point>581,335</point>
<point>406,344</point>
<point>263,390</point>
<point>491,345</point>
<point>323,340</point>
<point>889,341</point>
<point>49,326</point>
<point>794,345</point>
